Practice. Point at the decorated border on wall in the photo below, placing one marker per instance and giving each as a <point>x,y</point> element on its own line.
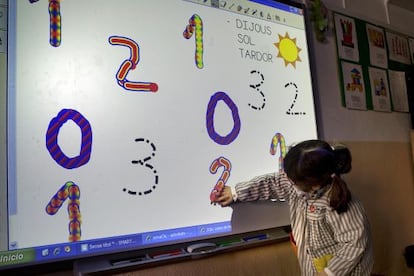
<point>372,64</point>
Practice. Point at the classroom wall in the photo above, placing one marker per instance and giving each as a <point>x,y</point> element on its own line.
<point>382,178</point>
<point>340,124</point>
<point>382,175</point>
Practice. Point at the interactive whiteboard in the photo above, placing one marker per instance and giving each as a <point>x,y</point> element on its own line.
<point>126,118</point>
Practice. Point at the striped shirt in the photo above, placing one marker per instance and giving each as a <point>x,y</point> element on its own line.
<point>339,243</point>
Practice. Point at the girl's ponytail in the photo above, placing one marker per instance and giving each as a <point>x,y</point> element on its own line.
<point>340,194</point>
<point>343,159</point>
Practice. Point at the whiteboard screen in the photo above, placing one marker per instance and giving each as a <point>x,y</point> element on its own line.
<point>126,117</point>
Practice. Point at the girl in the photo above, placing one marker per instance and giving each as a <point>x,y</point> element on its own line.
<point>329,225</point>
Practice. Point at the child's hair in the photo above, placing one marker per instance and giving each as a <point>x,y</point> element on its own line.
<point>316,162</point>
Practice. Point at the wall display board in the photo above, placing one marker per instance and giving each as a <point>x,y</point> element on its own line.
<point>371,60</point>
<point>126,119</point>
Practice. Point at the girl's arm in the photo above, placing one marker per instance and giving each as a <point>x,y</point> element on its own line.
<point>264,187</point>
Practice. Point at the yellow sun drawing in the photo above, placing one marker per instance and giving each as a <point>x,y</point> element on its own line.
<point>288,50</point>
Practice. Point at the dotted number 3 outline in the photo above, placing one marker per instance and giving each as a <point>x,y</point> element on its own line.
<point>144,162</point>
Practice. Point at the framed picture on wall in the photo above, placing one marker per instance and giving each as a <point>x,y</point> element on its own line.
<point>380,92</point>
<point>398,88</point>
<point>411,45</point>
<point>346,38</point>
<point>398,48</point>
<point>354,88</point>
<point>377,46</point>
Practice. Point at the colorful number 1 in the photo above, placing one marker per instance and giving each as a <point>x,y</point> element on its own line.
<point>278,140</point>
<point>195,24</point>
<point>71,192</point>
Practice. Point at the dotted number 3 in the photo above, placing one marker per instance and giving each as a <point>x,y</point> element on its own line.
<point>144,162</point>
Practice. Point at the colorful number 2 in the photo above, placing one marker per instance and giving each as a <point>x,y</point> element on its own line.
<point>221,182</point>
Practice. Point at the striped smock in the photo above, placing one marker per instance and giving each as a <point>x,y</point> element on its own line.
<point>340,244</point>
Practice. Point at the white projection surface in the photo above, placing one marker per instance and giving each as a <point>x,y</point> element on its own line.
<point>125,117</point>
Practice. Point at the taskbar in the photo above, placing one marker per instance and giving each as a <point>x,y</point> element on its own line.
<point>78,249</point>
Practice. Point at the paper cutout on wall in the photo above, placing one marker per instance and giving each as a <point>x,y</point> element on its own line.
<point>346,37</point>
<point>379,89</point>
<point>354,86</point>
<point>398,48</point>
<point>398,88</point>
<point>377,46</point>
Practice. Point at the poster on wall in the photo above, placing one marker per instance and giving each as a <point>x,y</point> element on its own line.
<point>398,88</point>
<point>398,49</point>
<point>377,46</point>
<point>346,38</point>
<point>353,82</point>
<point>411,44</point>
<point>379,89</point>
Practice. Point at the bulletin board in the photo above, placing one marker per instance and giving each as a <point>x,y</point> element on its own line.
<point>372,62</point>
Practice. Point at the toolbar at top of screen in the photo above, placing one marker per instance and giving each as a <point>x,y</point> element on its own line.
<point>268,10</point>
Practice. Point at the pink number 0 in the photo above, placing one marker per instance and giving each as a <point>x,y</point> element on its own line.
<point>52,139</point>
<point>211,107</point>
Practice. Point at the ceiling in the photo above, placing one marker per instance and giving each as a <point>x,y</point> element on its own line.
<point>405,4</point>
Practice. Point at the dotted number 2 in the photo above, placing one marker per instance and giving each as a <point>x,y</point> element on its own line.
<point>289,111</point>
<point>221,182</point>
